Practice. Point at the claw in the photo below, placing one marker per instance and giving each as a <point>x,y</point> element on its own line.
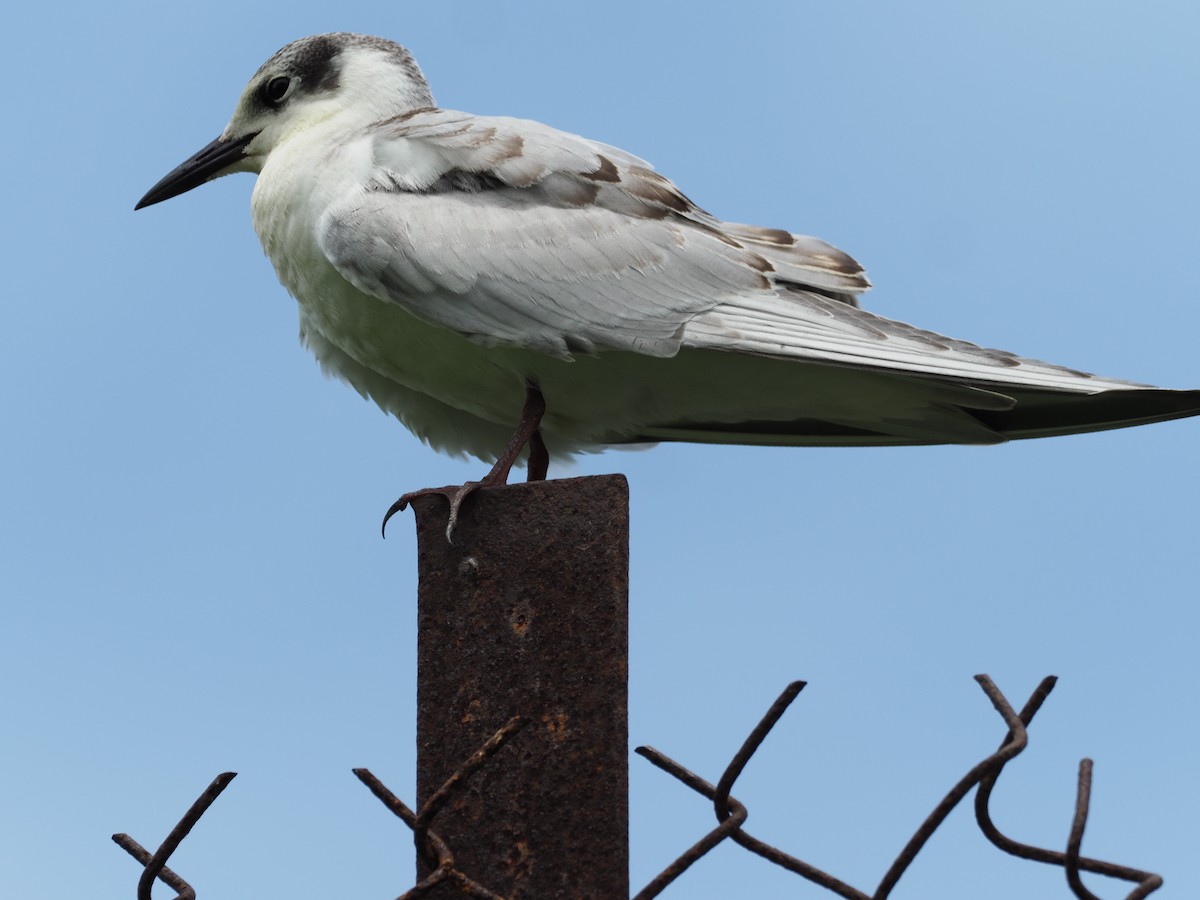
<point>396,507</point>
<point>456,502</point>
<point>455,494</point>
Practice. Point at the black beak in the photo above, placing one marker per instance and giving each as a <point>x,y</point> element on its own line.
<point>205,165</point>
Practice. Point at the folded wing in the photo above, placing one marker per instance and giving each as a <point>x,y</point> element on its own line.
<point>514,234</point>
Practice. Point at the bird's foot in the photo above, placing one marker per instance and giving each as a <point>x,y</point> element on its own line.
<point>527,434</point>
<point>455,494</point>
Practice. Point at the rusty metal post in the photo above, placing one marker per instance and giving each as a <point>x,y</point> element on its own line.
<point>526,613</point>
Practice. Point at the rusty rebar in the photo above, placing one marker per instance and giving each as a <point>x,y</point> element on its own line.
<point>155,865</point>
<point>730,822</point>
<point>171,879</point>
<point>430,846</point>
<point>435,849</point>
<point>1015,744</point>
<point>731,814</point>
<point>1147,882</point>
<point>439,797</point>
<point>1083,796</point>
<point>733,820</point>
<point>751,745</point>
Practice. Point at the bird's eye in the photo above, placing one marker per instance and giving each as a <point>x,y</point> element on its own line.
<point>275,89</point>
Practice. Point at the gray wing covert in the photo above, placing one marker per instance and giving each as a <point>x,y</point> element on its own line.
<point>512,233</point>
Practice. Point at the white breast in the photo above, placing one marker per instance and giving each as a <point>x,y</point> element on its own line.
<point>454,394</point>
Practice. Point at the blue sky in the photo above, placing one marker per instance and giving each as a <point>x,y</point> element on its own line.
<point>189,557</point>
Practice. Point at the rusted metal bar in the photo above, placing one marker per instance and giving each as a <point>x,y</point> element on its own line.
<point>732,815</point>
<point>155,864</point>
<point>732,822</point>
<point>526,613</point>
<point>1147,882</point>
<point>431,847</point>
<point>168,876</point>
<point>1016,741</point>
<point>1083,797</point>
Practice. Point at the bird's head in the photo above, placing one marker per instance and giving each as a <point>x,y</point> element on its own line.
<point>353,78</point>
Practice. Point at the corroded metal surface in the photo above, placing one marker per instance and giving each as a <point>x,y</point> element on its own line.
<point>525,613</point>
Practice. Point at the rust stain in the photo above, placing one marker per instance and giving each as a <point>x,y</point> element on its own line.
<point>471,713</point>
<point>520,860</point>
<point>521,618</point>
<point>557,725</point>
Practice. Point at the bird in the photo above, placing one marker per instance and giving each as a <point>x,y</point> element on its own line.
<point>468,272</point>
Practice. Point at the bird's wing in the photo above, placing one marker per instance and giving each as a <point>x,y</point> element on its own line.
<point>513,233</point>
<point>799,324</point>
<point>510,232</point>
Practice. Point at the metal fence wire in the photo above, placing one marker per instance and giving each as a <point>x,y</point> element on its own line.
<point>731,816</point>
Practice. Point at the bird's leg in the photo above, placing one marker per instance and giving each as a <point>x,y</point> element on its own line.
<point>526,434</point>
<point>539,458</point>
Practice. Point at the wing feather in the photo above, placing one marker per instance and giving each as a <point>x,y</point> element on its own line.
<point>813,327</point>
<point>573,245</point>
<point>512,233</point>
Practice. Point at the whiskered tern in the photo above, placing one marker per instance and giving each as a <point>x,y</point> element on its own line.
<point>471,272</point>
